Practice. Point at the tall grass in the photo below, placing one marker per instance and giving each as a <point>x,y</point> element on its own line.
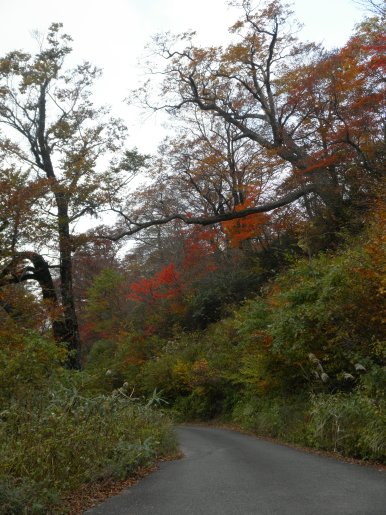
<point>55,442</point>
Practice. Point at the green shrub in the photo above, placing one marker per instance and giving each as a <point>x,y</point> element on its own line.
<point>352,424</point>
<point>61,438</point>
<point>204,404</point>
<point>27,362</point>
<point>24,497</point>
<point>330,307</point>
<point>284,418</point>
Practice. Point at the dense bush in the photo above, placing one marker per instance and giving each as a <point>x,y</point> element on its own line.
<point>27,361</point>
<point>279,417</point>
<point>302,362</point>
<point>352,424</point>
<point>56,434</point>
<point>349,423</point>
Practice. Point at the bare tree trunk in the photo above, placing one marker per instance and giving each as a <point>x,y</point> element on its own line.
<point>66,284</point>
<point>40,272</point>
<point>43,159</point>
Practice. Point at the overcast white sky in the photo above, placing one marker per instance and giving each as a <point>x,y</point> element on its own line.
<point>112,35</point>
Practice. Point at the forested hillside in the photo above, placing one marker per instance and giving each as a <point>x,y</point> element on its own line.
<point>237,274</point>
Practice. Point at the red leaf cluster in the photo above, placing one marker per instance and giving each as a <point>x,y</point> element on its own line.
<point>165,284</point>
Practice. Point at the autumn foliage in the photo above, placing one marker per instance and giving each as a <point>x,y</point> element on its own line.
<point>165,284</point>
<point>242,277</point>
<point>243,229</point>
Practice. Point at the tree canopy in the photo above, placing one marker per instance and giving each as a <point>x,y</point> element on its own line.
<point>272,136</point>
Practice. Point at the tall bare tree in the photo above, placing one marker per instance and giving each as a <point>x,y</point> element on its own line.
<point>63,143</point>
<point>296,106</point>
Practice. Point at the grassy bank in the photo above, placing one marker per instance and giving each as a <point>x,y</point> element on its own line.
<point>56,435</point>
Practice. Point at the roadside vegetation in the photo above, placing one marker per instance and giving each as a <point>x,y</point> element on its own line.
<point>58,435</point>
<point>302,361</point>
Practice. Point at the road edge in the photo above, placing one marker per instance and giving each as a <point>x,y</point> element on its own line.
<point>381,467</point>
<point>91,495</point>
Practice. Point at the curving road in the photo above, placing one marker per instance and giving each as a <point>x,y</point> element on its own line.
<point>229,473</point>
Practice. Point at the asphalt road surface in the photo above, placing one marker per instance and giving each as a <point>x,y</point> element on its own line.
<point>228,473</point>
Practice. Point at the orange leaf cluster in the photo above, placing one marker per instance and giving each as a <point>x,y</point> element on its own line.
<point>241,229</point>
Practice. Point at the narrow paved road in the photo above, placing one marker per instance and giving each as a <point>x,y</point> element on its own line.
<point>228,473</point>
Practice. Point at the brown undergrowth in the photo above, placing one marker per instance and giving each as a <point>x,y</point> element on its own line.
<point>92,494</point>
